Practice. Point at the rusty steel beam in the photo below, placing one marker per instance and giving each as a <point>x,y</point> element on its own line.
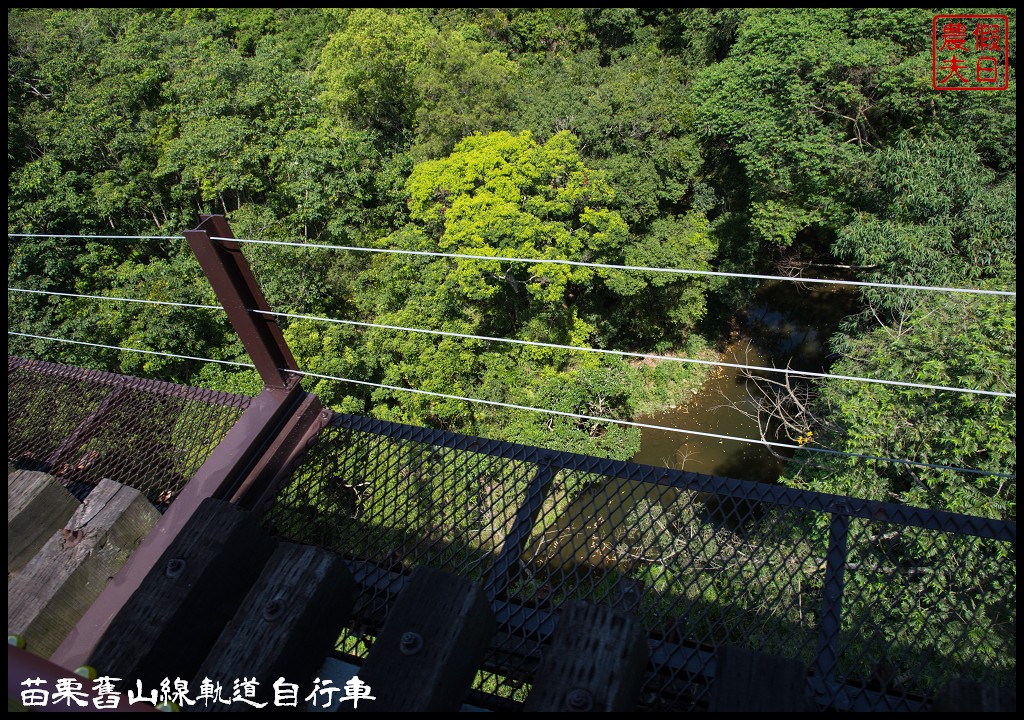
<point>159,388</point>
<point>239,293</point>
<point>261,484</point>
<point>275,426</point>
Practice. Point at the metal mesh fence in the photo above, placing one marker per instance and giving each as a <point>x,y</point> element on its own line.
<point>82,426</point>
<point>924,607</point>
<point>884,604</point>
<point>390,506</point>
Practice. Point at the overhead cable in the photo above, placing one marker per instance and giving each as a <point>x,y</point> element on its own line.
<point>549,261</point>
<point>642,268</point>
<point>630,423</point>
<point>134,350</point>
<point>116,299</point>
<point>553,346</point>
<point>648,356</point>
<point>513,406</point>
<point>552,261</point>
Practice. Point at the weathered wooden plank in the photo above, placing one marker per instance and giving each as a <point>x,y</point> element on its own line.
<point>428,651</point>
<point>969,696</point>
<point>37,507</point>
<point>596,662</point>
<point>749,681</point>
<point>48,596</point>
<point>286,626</point>
<point>169,624</point>
<point>242,446</point>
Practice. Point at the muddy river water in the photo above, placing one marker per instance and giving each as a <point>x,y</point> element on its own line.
<point>786,324</point>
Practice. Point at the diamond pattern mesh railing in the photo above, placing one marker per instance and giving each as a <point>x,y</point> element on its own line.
<point>924,607</point>
<point>82,426</point>
<point>883,603</point>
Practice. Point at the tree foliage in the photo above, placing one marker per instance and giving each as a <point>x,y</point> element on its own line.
<point>690,138</point>
<point>948,341</point>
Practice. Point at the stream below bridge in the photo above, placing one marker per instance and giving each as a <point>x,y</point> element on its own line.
<point>786,324</point>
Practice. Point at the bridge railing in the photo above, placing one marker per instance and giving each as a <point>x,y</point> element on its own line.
<point>883,604</point>
<point>81,426</point>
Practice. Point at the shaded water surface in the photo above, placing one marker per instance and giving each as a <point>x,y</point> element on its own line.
<point>786,324</point>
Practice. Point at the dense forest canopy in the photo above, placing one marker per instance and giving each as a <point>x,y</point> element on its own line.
<point>720,139</point>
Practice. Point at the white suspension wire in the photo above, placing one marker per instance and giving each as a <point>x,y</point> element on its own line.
<point>561,413</point>
<point>116,299</point>
<point>554,346</point>
<point>630,423</point>
<point>603,266</point>
<point>117,347</point>
<point>623,353</point>
<point>552,261</point>
<point>542,261</point>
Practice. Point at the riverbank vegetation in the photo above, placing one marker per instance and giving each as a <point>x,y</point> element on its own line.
<point>708,139</point>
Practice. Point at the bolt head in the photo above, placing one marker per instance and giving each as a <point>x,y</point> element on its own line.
<point>175,568</point>
<point>410,644</point>
<point>273,610</point>
<point>579,700</point>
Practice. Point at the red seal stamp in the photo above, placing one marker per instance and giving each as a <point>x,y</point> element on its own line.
<point>970,52</point>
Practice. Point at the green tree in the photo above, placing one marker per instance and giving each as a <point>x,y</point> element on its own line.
<point>937,215</point>
<point>948,340</point>
<point>463,88</point>
<point>634,118</point>
<point>366,70</point>
<point>85,102</point>
<point>500,195</point>
<point>504,194</point>
<point>396,75</point>
<point>942,218</point>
